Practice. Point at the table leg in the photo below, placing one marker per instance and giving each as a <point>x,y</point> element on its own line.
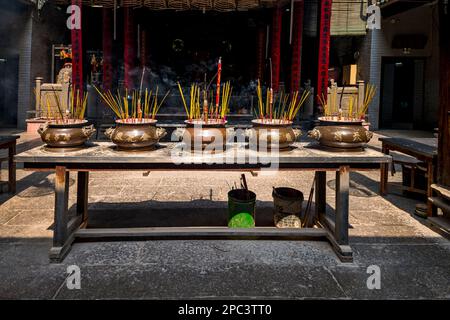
<point>82,194</point>
<point>320,195</point>
<point>342,204</point>
<point>12,169</point>
<point>61,241</point>
<point>384,174</point>
<point>430,172</point>
<point>339,236</point>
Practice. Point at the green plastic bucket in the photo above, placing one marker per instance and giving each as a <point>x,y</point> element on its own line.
<point>241,208</point>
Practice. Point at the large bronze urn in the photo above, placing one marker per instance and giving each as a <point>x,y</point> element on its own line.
<point>210,134</point>
<point>66,133</point>
<point>275,133</point>
<point>337,134</point>
<point>135,134</point>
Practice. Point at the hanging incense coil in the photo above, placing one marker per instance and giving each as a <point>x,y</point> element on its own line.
<point>224,5</point>
<point>202,4</point>
<point>155,4</point>
<point>103,3</point>
<point>247,4</point>
<point>178,4</point>
<point>131,3</point>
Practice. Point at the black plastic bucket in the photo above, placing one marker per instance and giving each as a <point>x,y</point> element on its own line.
<point>288,207</point>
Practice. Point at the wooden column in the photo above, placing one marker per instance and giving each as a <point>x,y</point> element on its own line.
<point>129,47</point>
<point>276,47</point>
<point>444,104</point>
<point>77,53</point>
<point>324,47</point>
<point>297,45</point>
<point>107,49</point>
<point>260,52</point>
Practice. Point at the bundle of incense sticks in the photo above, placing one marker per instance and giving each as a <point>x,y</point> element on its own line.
<point>369,94</point>
<point>71,112</point>
<point>283,108</point>
<point>198,111</point>
<point>143,105</point>
<point>352,112</point>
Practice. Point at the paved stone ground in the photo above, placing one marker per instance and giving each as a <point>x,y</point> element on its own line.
<point>414,261</point>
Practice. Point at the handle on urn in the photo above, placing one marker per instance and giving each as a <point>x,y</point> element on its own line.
<point>315,134</point>
<point>109,132</point>
<point>178,134</point>
<point>229,134</point>
<point>160,133</point>
<point>297,133</point>
<point>249,133</point>
<point>42,128</point>
<point>89,131</point>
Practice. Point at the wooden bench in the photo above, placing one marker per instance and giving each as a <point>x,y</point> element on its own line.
<point>423,152</point>
<point>440,199</point>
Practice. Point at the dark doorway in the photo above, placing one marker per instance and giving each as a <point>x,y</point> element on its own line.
<point>402,93</point>
<point>9,84</point>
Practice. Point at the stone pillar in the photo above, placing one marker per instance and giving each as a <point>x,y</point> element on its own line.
<point>377,44</point>
<point>297,46</point>
<point>38,96</point>
<point>24,88</point>
<point>276,46</point>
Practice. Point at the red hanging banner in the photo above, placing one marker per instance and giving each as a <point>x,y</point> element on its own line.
<point>324,47</point>
<point>77,50</point>
<point>107,49</point>
<point>260,51</point>
<point>297,46</point>
<point>129,50</point>
<point>276,47</point>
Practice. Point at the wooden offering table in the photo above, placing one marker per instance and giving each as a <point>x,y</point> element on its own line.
<point>104,156</point>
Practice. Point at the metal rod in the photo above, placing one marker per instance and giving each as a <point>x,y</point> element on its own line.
<point>115,19</point>
<point>291,22</point>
